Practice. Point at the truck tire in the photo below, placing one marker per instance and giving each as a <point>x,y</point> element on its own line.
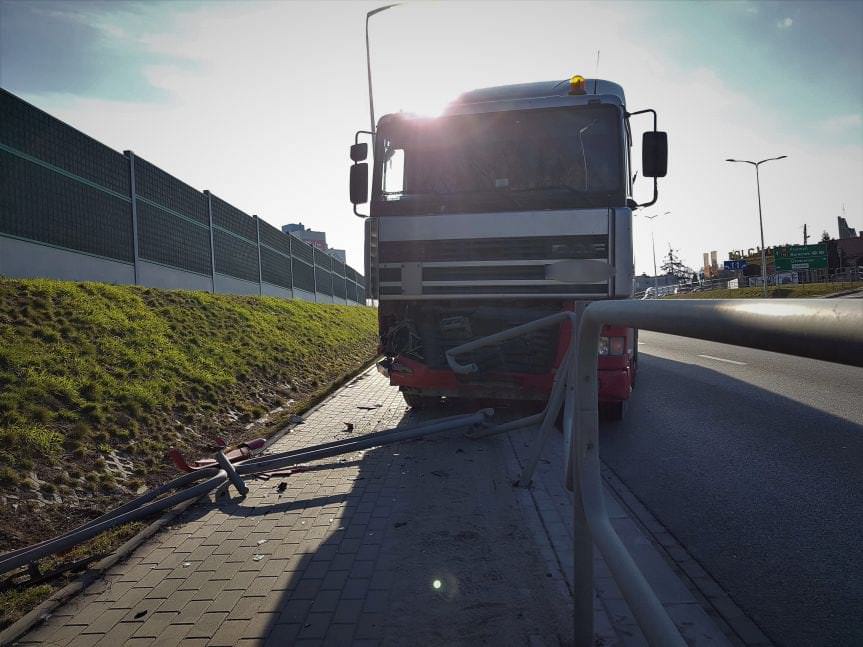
<point>613,410</point>
<point>416,401</point>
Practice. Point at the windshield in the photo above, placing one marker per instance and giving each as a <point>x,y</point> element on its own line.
<point>532,159</point>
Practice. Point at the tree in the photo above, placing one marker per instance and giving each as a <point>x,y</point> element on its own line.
<point>676,267</point>
<point>825,237</point>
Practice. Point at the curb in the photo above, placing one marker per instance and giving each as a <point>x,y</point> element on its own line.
<point>731,620</point>
<point>836,295</point>
<point>58,598</point>
<point>95,572</point>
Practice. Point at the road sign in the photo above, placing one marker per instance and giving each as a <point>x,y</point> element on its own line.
<point>737,264</point>
<point>801,257</point>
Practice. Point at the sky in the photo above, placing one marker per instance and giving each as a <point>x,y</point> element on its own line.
<point>259,101</point>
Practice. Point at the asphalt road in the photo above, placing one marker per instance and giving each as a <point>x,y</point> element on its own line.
<point>754,461</point>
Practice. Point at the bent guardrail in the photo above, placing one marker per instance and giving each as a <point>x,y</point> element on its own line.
<point>831,331</point>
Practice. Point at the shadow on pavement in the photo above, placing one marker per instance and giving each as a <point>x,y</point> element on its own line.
<point>763,491</point>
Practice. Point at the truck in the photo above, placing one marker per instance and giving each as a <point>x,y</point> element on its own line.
<point>515,203</point>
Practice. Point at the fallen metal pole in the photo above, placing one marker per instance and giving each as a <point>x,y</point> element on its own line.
<point>83,534</point>
<point>142,506</point>
<point>349,441</point>
<point>278,461</point>
<point>185,479</point>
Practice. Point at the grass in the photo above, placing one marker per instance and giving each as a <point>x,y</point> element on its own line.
<point>776,292</point>
<point>87,369</point>
<point>90,369</point>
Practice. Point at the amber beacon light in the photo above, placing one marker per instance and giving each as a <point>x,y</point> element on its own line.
<point>577,85</point>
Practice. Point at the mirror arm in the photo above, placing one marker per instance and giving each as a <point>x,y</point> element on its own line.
<point>641,112</point>
<point>655,128</point>
<point>361,215</point>
<point>655,195</point>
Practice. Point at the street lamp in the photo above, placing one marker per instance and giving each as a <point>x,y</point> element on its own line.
<point>369,65</point>
<point>760,220</point>
<point>653,244</point>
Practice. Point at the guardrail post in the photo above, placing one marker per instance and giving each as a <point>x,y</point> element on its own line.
<point>582,546</point>
<point>225,464</point>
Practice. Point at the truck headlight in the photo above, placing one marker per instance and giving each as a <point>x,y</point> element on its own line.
<point>612,345</point>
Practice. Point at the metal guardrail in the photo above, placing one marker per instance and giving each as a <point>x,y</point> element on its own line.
<point>831,331</point>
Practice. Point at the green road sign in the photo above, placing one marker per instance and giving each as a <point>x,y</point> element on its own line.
<point>801,257</point>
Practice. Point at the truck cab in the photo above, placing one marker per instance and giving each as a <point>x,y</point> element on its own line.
<point>514,204</point>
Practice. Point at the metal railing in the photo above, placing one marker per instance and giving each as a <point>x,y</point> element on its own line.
<point>831,331</point>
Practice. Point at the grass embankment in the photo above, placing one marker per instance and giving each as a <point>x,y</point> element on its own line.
<point>775,292</point>
<point>98,381</point>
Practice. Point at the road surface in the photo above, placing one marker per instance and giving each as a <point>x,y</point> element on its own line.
<point>754,462</point>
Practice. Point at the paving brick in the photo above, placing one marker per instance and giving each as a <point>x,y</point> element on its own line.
<point>176,601</point>
<point>339,634</point>
<point>104,619</point>
<point>283,634</point>
<point>348,611</point>
<point>228,633</point>
<point>260,625</point>
<point>207,625</point>
<point>129,599</point>
<point>355,589</point>
<point>226,601</point>
<point>294,611</point>
<point>155,624</point>
<point>325,601</point>
<point>171,636</point>
<point>119,634</point>
<point>315,626</point>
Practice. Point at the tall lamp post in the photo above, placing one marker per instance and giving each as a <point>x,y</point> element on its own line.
<point>653,244</point>
<point>369,66</point>
<point>760,219</point>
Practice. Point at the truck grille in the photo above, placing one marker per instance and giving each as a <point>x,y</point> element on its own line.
<point>494,249</point>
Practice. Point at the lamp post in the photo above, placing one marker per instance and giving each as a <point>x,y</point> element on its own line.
<point>653,245</point>
<point>760,219</point>
<point>369,66</point>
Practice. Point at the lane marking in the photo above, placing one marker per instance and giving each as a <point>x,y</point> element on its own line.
<point>720,359</point>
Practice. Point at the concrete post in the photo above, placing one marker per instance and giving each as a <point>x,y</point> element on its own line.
<point>131,157</point>
<point>291,261</point>
<point>212,246</point>
<point>258,238</point>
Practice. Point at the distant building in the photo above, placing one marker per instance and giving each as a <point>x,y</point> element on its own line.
<point>844,230</point>
<point>338,254</point>
<point>316,239</point>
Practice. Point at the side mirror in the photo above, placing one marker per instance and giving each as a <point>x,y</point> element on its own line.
<point>359,152</point>
<point>359,182</point>
<point>654,154</point>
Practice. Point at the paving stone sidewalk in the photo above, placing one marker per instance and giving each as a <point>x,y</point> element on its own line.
<point>422,543</point>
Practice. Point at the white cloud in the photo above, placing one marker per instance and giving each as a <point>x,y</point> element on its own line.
<point>841,123</point>
<point>266,119</point>
<point>785,23</point>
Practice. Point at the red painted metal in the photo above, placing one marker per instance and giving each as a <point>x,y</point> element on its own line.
<point>239,453</point>
<point>615,375</point>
